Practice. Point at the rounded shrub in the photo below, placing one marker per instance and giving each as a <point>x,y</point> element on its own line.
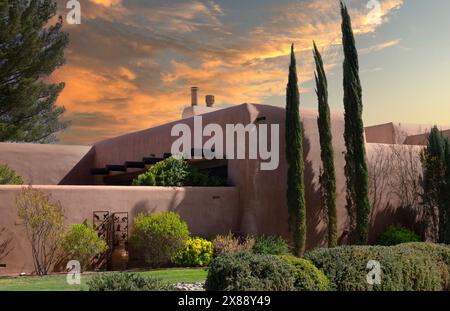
<point>176,172</point>
<point>273,245</point>
<point>172,172</point>
<point>9,177</point>
<point>82,243</point>
<point>250,272</point>
<point>307,276</point>
<point>159,237</point>
<point>198,252</point>
<point>396,234</point>
<point>126,282</point>
<point>403,268</point>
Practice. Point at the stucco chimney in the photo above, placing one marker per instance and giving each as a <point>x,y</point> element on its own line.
<point>194,91</point>
<point>209,100</point>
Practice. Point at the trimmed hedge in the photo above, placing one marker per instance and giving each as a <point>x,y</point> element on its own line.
<point>440,254</point>
<point>396,234</point>
<point>307,276</point>
<point>405,267</point>
<point>250,272</point>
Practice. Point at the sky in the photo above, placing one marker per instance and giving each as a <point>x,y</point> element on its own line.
<point>130,63</point>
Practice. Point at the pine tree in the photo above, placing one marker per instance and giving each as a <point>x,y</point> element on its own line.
<point>328,176</point>
<point>356,167</point>
<point>294,157</point>
<point>30,50</point>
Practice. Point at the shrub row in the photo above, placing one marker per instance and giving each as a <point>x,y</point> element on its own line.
<point>405,267</point>
<point>164,238</point>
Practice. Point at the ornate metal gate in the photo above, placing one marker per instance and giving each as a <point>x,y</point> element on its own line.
<point>113,228</point>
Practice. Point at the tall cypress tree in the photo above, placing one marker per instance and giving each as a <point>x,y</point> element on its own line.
<point>328,176</point>
<point>446,192</point>
<point>30,50</point>
<point>436,184</point>
<point>356,167</point>
<point>294,157</point>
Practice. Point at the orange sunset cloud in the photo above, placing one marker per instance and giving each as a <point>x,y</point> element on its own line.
<point>130,64</point>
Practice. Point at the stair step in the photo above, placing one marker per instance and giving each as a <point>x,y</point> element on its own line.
<point>116,168</point>
<point>135,164</point>
<point>99,171</point>
<point>151,160</point>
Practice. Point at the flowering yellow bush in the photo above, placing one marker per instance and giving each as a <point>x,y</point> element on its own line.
<point>198,252</point>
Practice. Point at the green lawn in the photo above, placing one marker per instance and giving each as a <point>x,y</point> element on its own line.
<point>58,282</point>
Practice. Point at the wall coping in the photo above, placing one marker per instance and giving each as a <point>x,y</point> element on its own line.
<point>112,188</point>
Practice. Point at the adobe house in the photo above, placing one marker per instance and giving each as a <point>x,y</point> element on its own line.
<point>91,180</point>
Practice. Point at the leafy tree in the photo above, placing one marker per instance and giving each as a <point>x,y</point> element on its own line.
<point>355,167</point>
<point>328,176</point>
<point>44,224</point>
<point>294,157</point>
<point>30,50</point>
<point>9,177</point>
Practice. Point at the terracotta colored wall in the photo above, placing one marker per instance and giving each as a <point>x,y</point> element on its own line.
<point>208,211</point>
<point>262,195</point>
<point>41,164</point>
<point>391,168</point>
<point>421,139</point>
<point>382,134</point>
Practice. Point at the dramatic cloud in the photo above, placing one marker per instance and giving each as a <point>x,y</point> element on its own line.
<point>131,62</point>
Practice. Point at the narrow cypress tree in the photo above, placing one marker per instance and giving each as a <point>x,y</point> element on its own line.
<point>294,157</point>
<point>446,192</point>
<point>356,166</point>
<point>436,184</point>
<point>328,176</point>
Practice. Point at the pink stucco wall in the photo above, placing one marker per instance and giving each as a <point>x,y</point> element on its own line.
<point>207,211</point>
<point>262,195</point>
<point>41,164</point>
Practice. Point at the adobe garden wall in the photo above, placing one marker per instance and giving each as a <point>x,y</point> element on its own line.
<point>41,164</point>
<point>208,211</point>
